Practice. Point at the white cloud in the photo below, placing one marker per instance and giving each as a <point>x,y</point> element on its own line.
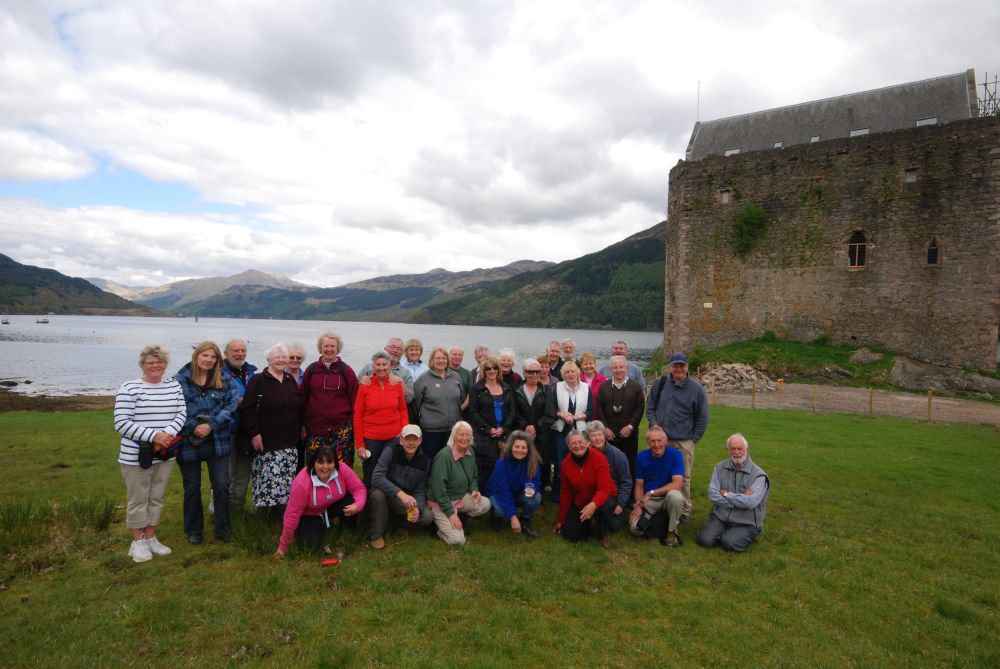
<point>347,139</point>
<point>30,156</point>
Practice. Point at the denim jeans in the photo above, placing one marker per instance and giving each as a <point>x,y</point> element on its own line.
<point>527,505</point>
<point>218,474</point>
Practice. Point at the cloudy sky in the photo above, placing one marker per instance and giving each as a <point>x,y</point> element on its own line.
<point>333,141</point>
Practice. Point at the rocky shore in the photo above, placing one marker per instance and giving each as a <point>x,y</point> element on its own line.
<point>10,401</point>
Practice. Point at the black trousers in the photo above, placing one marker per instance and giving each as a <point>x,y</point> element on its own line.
<point>574,529</point>
<point>311,533</point>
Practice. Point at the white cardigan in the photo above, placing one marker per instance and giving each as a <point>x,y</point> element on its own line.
<point>562,403</point>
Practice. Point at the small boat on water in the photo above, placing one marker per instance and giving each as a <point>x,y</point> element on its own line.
<point>44,321</point>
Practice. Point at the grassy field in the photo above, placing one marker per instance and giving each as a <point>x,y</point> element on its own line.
<point>882,549</point>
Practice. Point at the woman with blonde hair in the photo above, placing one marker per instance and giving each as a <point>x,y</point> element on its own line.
<point>211,399</point>
<point>589,373</point>
<point>574,407</point>
<point>439,398</point>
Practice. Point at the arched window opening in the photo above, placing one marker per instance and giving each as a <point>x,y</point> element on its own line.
<point>857,250</point>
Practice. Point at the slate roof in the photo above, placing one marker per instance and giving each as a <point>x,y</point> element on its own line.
<point>945,99</point>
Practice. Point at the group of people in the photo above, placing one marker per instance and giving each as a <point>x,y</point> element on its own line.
<point>437,444</point>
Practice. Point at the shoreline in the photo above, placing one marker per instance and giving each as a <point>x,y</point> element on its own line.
<point>11,401</point>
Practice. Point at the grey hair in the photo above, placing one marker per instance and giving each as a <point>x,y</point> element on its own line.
<point>276,349</point>
<point>296,347</point>
<point>622,342</point>
<point>381,355</point>
<point>746,444</point>
<point>507,353</point>
<point>595,426</point>
<point>576,433</point>
<point>455,428</point>
<point>655,428</point>
<point>480,348</point>
<point>568,341</point>
<point>618,357</point>
<point>531,361</point>
<point>154,351</point>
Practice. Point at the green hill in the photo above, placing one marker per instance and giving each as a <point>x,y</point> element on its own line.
<point>25,289</point>
<point>619,287</point>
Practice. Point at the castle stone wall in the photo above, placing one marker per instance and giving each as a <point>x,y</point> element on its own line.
<point>904,189</point>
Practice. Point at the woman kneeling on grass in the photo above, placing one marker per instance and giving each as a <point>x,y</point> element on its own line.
<point>149,413</point>
<point>516,482</point>
<point>588,496</point>
<point>325,489</point>
<point>453,487</point>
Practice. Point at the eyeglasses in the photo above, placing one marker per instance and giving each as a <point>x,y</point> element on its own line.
<point>295,357</point>
<point>532,371</point>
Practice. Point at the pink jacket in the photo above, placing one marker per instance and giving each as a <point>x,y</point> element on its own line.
<point>311,497</point>
<point>594,383</point>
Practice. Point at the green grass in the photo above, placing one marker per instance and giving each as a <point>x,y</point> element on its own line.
<point>792,360</point>
<point>881,549</point>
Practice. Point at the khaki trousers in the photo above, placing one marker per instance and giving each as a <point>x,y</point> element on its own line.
<point>145,489</point>
<point>686,447</point>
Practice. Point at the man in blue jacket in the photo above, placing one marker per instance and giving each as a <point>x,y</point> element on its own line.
<point>679,405</point>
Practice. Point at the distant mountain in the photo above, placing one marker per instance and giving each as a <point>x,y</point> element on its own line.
<point>25,289</point>
<point>450,282</point>
<point>619,287</point>
<point>180,293</point>
<point>128,292</point>
<point>386,298</point>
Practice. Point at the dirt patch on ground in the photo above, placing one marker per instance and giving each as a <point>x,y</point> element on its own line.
<point>17,402</point>
<point>838,399</point>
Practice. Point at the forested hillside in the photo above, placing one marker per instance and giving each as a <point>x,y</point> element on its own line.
<point>620,287</point>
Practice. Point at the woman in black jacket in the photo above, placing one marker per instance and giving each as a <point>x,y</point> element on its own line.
<point>536,412</point>
<point>492,413</point>
<point>270,419</point>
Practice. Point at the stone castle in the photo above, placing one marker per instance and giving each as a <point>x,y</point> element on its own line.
<point>871,219</point>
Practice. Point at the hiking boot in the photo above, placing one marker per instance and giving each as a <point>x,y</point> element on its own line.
<point>527,530</point>
<point>156,548</point>
<point>606,541</point>
<point>377,543</point>
<point>139,551</point>
<point>672,540</point>
<point>195,538</point>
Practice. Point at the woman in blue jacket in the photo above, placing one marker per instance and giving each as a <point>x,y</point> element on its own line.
<point>516,483</point>
<point>211,398</point>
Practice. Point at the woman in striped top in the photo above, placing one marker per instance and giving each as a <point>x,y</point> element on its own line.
<point>149,413</point>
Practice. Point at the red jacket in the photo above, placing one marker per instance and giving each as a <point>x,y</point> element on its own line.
<point>379,411</point>
<point>579,486</point>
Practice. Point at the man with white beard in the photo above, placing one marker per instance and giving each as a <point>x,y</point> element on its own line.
<point>738,492</point>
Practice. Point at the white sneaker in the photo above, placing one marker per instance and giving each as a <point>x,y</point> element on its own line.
<point>156,548</point>
<point>139,551</point>
<point>211,507</point>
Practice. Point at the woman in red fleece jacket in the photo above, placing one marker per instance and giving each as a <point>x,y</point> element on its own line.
<point>321,491</point>
<point>587,495</point>
<point>379,415</point>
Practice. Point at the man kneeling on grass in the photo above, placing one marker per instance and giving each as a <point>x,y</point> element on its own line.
<point>399,484</point>
<point>738,491</point>
<point>659,482</point>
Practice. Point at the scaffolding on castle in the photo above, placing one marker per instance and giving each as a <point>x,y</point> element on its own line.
<point>989,104</point>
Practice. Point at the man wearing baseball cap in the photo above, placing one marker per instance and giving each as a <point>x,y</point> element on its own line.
<point>399,484</point>
<point>679,405</point>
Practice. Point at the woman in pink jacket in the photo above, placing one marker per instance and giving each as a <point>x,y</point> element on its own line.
<point>325,489</point>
